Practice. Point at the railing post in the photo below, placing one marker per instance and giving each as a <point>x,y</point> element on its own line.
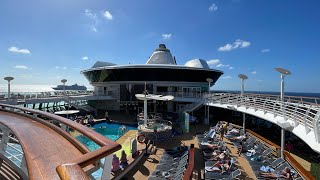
<point>274,107</point>
<point>264,105</point>
<point>106,173</point>
<point>316,127</point>
<point>305,120</point>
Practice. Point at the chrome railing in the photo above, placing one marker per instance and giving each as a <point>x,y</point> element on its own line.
<point>41,95</point>
<point>301,110</point>
<point>182,94</point>
<point>11,152</point>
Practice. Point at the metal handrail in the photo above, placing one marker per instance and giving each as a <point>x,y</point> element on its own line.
<point>299,111</point>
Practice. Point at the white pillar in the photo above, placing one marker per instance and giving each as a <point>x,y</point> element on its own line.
<point>9,91</point>
<point>106,173</point>
<point>244,121</point>
<point>282,141</point>
<point>208,120</point>
<point>243,114</point>
<point>283,114</point>
<point>145,111</point>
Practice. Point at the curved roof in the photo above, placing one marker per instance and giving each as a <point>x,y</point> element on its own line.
<point>102,64</point>
<point>197,63</point>
<point>161,55</point>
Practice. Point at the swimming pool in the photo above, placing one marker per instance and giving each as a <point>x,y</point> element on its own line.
<point>109,130</point>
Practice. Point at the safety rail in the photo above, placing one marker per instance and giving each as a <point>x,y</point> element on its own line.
<point>300,110</point>
<point>22,96</point>
<point>182,94</point>
<point>107,146</point>
<point>11,152</point>
<point>155,121</point>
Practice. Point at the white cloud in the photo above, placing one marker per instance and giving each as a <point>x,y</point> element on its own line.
<point>58,67</point>
<point>223,65</point>
<point>226,77</point>
<point>166,36</point>
<point>213,7</point>
<point>93,17</point>
<point>107,15</point>
<point>20,67</point>
<point>17,50</point>
<point>213,62</point>
<point>235,45</point>
<point>254,72</point>
<point>84,58</point>
<point>265,50</point>
<point>231,67</point>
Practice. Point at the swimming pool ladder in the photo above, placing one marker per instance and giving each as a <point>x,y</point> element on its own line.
<point>122,130</point>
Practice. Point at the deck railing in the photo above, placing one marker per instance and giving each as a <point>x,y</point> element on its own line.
<point>22,96</point>
<point>301,110</point>
<point>107,147</point>
<point>189,172</point>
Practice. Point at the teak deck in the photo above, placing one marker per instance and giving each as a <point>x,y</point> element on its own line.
<point>44,148</point>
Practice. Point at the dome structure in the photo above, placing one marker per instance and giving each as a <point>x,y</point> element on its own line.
<point>161,55</point>
<point>197,63</point>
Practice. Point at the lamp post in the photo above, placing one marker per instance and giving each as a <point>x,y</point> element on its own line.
<point>8,78</point>
<point>243,77</point>
<point>64,85</point>
<point>283,72</point>
<point>209,80</point>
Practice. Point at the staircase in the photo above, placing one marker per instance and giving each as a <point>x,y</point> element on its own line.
<point>193,106</point>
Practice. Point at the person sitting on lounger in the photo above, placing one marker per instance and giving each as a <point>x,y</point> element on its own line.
<point>219,157</point>
<point>115,163</point>
<point>238,138</point>
<point>219,166</point>
<point>123,159</point>
<point>282,174</point>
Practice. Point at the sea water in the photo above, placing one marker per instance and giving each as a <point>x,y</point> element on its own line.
<point>28,88</point>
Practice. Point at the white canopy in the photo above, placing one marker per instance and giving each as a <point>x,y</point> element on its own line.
<point>66,112</point>
<point>154,97</point>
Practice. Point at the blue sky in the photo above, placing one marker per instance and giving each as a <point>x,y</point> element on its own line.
<point>42,42</point>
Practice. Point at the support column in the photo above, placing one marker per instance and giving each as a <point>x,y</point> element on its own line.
<point>145,111</point>
<point>244,122</point>
<point>154,101</point>
<point>106,173</point>
<point>283,135</point>
<point>208,120</point>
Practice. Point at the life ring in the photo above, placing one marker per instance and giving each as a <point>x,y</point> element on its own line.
<point>141,138</point>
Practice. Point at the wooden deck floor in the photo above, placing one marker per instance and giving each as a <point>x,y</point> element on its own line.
<point>149,163</point>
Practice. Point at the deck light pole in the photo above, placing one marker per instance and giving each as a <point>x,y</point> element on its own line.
<point>209,80</point>
<point>283,72</point>
<point>243,77</point>
<point>64,85</point>
<point>8,78</point>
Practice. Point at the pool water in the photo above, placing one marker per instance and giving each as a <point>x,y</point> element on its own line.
<point>109,130</point>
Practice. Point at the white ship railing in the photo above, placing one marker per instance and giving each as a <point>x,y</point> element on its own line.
<point>303,111</point>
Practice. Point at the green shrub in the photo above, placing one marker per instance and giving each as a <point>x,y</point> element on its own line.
<point>315,170</point>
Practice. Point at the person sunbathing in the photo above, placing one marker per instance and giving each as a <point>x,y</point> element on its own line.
<point>219,166</point>
<point>218,157</point>
<point>282,174</point>
<point>238,138</point>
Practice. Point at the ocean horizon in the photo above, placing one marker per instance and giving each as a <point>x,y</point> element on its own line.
<point>15,88</point>
<point>29,88</point>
